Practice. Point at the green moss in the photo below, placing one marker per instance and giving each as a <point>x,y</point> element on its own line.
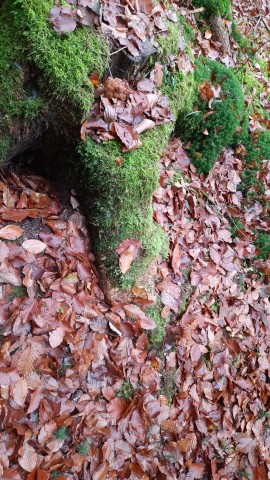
<point>123,195</point>
<point>15,99</point>
<point>83,448</point>
<point>168,44</point>
<point>64,60</point>
<point>5,144</point>
<point>212,8</point>
<point>168,384</point>
<point>157,335</point>
<point>242,41</point>
<point>258,149</point>
<point>222,124</point>
<point>61,433</point>
<point>126,391</point>
<point>263,243</point>
<point>17,292</point>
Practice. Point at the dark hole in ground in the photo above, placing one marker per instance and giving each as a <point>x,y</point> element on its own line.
<point>54,158</point>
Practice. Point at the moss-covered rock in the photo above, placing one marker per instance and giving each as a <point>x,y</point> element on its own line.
<point>208,134</point>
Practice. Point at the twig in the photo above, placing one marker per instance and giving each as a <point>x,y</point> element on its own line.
<point>117,51</point>
<point>266,24</point>
<point>185,12</point>
<point>254,53</point>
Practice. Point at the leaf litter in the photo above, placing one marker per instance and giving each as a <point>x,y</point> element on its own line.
<point>65,353</point>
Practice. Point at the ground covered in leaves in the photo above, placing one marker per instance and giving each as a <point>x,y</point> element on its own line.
<point>90,391</point>
<point>82,394</point>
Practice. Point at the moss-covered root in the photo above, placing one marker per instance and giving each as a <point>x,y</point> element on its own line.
<point>65,61</point>
<point>122,195</point>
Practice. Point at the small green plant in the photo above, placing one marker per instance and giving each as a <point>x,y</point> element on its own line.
<point>17,292</point>
<point>62,370</point>
<point>61,433</point>
<point>263,413</point>
<point>54,475</point>
<point>83,448</point>
<point>215,307</point>
<point>206,359</point>
<point>263,242</point>
<point>60,310</point>
<point>157,335</point>
<point>236,361</point>
<point>236,227</point>
<point>126,391</point>
<point>240,279</point>
<point>243,473</point>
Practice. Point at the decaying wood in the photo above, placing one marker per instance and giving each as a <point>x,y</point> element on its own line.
<point>220,33</point>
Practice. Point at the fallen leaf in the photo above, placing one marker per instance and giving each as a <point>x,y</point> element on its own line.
<point>34,246</point>
<point>56,337</point>
<point>11,232</point>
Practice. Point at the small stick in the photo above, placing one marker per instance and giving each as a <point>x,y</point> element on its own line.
<point>117,51</point>
<point>190,12</point>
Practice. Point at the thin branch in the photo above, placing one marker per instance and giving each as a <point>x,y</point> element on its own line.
<point>249,57</point>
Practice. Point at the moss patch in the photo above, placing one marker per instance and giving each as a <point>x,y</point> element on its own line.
<point>16,99</point>
<point>263,243</point>
<point>126,391</point>
<point>220,127</point>
<point>157,335</point>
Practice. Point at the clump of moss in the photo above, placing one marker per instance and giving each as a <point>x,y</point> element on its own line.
<point>209,134</point>
<point>61,433</point>
<point>263,243</point>
<point>213,8</point>
<point>157,335</point>
<point>243,42</point>
<point>258,149</point>
<point>64,60</point>
<point>17,292</point>
<point>83,448</point>
<point>126,391</point>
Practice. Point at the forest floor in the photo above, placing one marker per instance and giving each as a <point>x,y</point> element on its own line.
<point>87,392</point>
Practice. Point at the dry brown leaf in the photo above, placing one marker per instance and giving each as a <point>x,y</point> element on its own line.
<point>11,232</point>
<point>56,337</point>
<point>28,457</point>
<point>27,359</point>
<point>34,246</point>
<point>20,391</point>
